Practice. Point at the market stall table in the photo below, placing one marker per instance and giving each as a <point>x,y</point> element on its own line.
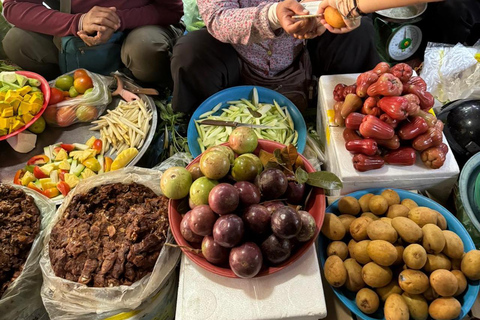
<point>11,161</point>
<point>293,293</point>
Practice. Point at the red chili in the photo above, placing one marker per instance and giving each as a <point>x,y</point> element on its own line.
<point>372,127</point>
<point>366,146</point>
<point>412,129</point>
<point>349,135</point>
<point>40,159</point>
<point>405,156</point>
<point>353,120</point>
<point>362,162</point>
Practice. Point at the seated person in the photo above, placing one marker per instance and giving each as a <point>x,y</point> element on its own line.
<point>152,26</point>
<point>258,42</point>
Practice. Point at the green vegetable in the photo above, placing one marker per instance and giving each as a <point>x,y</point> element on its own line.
<point>34,82</point>
<point>252,112</point>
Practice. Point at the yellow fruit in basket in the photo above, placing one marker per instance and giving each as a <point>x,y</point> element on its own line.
<point>124,158</point>
<point>38,126</point>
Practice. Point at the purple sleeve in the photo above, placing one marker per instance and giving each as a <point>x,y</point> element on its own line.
<point>33,16</point>
<point>229,23</point>
<point>162,13</point>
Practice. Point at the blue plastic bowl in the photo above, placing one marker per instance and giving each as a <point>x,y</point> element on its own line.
<point>348,298</point>
<point>466,186</point>
<point>236,93</point>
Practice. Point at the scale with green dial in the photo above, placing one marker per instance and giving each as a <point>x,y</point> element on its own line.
<point>397,36</point>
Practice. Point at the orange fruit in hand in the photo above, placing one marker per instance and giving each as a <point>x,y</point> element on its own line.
<point>333,17</point>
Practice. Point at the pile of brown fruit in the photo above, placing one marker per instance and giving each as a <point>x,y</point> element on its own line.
<point>399,254</point>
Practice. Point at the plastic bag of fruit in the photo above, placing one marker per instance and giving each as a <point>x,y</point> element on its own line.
<point>77,96</point>
<point>21,300</point>
<point>70,300</point>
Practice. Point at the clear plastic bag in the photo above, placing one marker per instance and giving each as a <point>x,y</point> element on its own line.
<point>192,17</point>
<point>452,72</point>
<point>83,108</point>
<point>181,159</point>
<point>68,300</point>
<point>22,300</point>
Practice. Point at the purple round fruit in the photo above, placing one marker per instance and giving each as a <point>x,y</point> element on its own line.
<point>246,260</point>
<point>272,183</point>
<point>213,252</point>
<point>286,222</point>
<point>273,205</point>
<point>295,192</point>
<point>186,232</point>
<point>275,249</point>
<point>202,220</point>
<point>248,193</point>
<point>308,226</point>
<point>228,230</point>
<point>257,218</point>
<point>223,198</point>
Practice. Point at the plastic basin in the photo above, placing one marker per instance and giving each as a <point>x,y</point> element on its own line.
<point>236,93</point>
<point>46,98</point>
<point>315,205</point>
<point>467,299</point>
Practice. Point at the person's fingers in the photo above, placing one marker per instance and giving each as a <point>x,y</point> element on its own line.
<point>104,21</point>
<point>99,27</point>
<point>107,13</point>
<point>88,40</point>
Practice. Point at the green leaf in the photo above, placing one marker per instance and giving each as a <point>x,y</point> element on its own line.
<point>325,180</point>
<point>301,175</point>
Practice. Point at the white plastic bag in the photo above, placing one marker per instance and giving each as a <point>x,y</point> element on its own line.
<point>21,301</point>
<point>181,159</point>
<point>68,300</point>
<point>452,72</point>
<point>65,112</point>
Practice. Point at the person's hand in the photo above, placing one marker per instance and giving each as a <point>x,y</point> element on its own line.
<point>99,38</point>
<point>99,19</point>
<point>296,27</point>
<point>351,24</point>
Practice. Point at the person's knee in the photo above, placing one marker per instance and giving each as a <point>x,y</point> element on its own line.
<point>146,52</point>
<point>187,52</point>
<point>13,42</point>
<point>146,43</point>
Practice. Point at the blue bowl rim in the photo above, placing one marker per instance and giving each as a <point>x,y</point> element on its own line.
<point>470,166</point>
<point>470,295</point>
<point>302,131</point>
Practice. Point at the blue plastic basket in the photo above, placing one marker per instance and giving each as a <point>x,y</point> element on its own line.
<point>467,299</point>
<point>236,93</point>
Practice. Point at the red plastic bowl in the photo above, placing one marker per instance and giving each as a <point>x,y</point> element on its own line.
<point>315,205</point>
<point>46,98</point>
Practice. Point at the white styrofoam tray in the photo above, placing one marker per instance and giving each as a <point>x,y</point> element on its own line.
<point>339,160</point>
<point>295,292</point>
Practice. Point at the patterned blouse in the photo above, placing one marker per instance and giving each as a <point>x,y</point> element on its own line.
<point>244,24</point>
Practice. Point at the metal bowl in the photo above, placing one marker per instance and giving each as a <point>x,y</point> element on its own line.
<point>404,13</point>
